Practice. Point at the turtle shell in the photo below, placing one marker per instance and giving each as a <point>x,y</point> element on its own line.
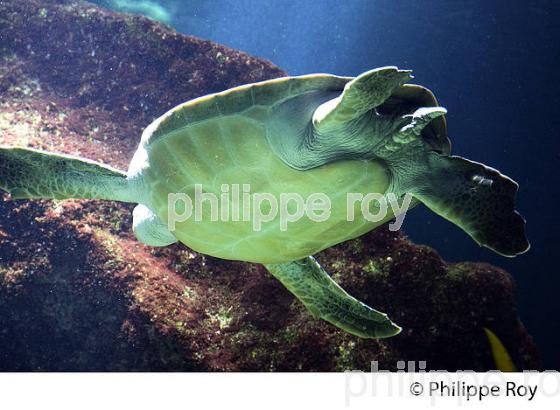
<point>216,147</point>
<point>264,94</point>
<point>219,143</point>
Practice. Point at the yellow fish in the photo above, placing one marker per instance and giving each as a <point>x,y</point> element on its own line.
<point>499,353</point>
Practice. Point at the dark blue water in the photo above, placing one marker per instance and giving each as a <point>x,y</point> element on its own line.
<point>492,64</point>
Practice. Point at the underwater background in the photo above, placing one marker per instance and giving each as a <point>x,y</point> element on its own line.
<point>492,64</point>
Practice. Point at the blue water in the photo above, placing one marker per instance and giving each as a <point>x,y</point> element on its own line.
<point>492,64</point>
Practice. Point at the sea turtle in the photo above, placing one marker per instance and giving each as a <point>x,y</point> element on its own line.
<point>302,135</point>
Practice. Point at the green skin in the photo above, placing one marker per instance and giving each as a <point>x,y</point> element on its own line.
<point>304,135</point>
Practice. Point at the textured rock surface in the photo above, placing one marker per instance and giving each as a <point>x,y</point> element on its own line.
<point>77,292</point>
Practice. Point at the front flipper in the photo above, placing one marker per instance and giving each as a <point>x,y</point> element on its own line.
<point>327,300</point>
<point>477,198</point>
<point>363,93</point>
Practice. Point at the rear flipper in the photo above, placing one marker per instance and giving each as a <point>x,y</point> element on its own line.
<point>477,198</point>
<point>326,299</point>
<point>28,173</point>
<point>149,228</point>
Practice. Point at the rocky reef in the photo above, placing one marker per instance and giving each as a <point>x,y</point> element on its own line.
<point>77,292</point>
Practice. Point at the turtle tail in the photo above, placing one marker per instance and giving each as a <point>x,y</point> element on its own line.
<point>27,173</point>
<point>477,198</point>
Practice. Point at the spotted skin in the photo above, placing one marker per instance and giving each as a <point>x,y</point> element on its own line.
<point>27,173</point>
<point>477,198</point>
<point>327,300</point>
